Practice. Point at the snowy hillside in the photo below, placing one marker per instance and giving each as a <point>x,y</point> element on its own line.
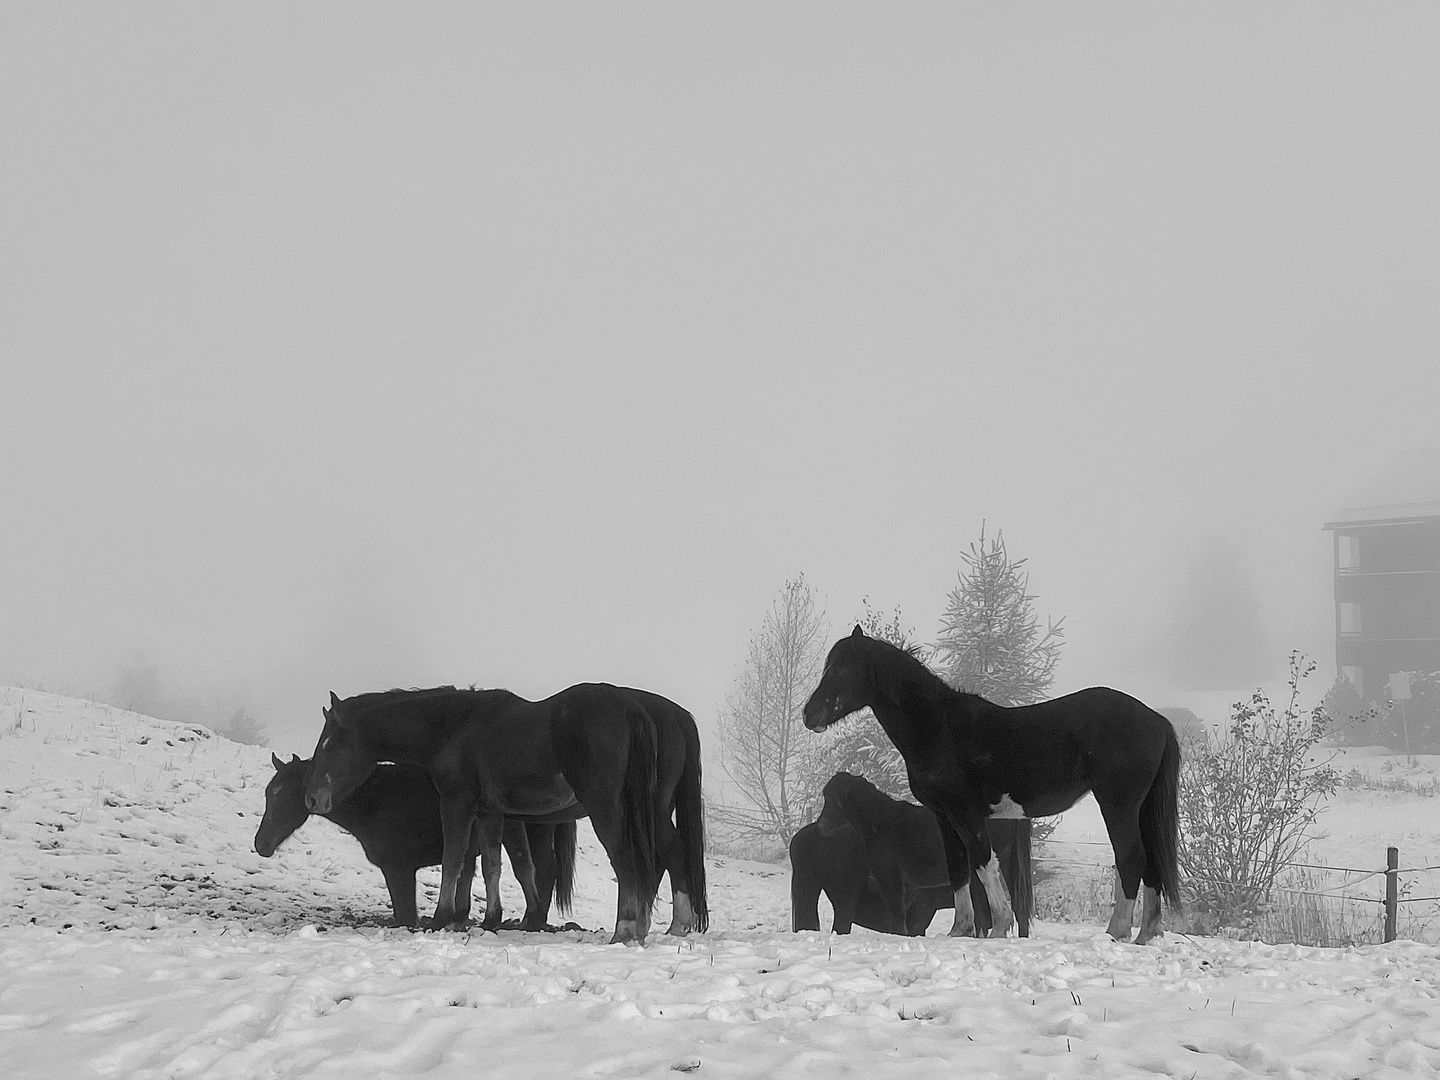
<point>141,936</point>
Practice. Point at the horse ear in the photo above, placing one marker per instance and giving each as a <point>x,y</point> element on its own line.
<point>278,763</point>
<point>294,758</point>
<point>857,632</point>
<point>333,699</point>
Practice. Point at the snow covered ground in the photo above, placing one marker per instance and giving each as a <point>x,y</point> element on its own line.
<point>141,936</point>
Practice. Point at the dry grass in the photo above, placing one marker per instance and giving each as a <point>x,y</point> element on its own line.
<point>1294,914</point>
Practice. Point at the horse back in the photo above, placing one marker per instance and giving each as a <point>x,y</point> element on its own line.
<point>1045,757</point>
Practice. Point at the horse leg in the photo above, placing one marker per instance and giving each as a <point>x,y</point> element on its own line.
<point>540,846</point>
<point>972,841</point>
<point>628,890</point>
<point>1150,924</point>
<point>621,808</point>
<point>845,903</point>
<point>400,881</point>
<point>957,863</point>
<point>804,880</point>
<point>1002,915</point>
<point>456,821</point>
<point>804,903</point>
<point>670,858</point>
<point>491,828</point>
<point>516,838</point>
<point>1123,825</point>
<point>466,883</point>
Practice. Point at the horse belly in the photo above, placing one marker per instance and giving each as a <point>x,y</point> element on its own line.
<point>1046,803</point>
<point>530,797</point>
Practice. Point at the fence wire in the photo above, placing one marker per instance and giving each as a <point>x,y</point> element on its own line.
<point>1352,890</point>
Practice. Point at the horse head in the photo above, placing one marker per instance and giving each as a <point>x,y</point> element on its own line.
<point>340,763</point>
<point>844,684</point>
<point>840,807</point>
<point>285,809</point>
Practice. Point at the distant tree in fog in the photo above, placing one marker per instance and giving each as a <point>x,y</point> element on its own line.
<point>771,759</point>
<point>1217,638</point>
<point>241,727</point>
<point>137,686</point>
<point>990,640</point>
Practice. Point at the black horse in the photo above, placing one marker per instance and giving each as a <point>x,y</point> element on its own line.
<point>491,755</point>
<point>969,759</point>
<point>881,863</point>
<point>396,817</point>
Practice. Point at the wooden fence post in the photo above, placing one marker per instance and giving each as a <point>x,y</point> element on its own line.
<point>1392,890</point>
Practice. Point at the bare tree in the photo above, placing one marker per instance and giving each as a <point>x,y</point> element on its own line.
<point>776,765</point>
<point>990,639</point>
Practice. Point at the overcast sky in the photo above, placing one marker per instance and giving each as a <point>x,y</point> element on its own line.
<point>347,346</point>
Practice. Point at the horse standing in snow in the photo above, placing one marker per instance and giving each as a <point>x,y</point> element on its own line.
<point>969,759</point>
<point>396,817</point>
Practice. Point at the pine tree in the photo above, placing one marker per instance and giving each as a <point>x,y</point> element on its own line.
<point>990,639</point>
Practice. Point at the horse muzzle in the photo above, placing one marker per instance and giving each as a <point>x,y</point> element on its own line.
<point>817,717</point>
<point>319,802</point>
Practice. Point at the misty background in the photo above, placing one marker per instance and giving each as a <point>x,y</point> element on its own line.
<point>347,347</point>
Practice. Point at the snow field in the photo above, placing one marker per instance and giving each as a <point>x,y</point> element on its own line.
<point>141,936</point>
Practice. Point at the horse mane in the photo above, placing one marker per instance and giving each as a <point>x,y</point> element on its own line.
<point>905,665</point>
<point>363,703</point>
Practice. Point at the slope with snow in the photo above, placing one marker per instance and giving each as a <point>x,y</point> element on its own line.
<point>140,936</point>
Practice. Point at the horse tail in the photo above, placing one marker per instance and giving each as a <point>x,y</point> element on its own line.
<point>1022,880</point>
<point>1160,819</point>
<point>638,807</point>
<point>564,865</point>
<point>690,822</point>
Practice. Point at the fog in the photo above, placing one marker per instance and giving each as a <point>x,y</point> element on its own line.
<point>345,348</point>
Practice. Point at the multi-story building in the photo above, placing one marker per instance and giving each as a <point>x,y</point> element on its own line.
<point>1387,575</point>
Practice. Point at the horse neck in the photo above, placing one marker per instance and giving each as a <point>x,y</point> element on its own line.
<point>878,810</point>
<point>410,739</point>
<point>352,815</point>
<point>914,710</point>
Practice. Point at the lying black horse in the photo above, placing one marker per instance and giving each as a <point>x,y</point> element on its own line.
<point>396,817</point>
<point>589,750</point>
<point>881,863</point>
<point>969,759</point>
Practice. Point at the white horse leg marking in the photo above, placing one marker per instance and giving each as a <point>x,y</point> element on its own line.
<point>1150,924</point>
<point>1007,809</point>
<point>684,915</point>
<point>964,913</point>
<point>1002,915</point>
<point>1122,918</point>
